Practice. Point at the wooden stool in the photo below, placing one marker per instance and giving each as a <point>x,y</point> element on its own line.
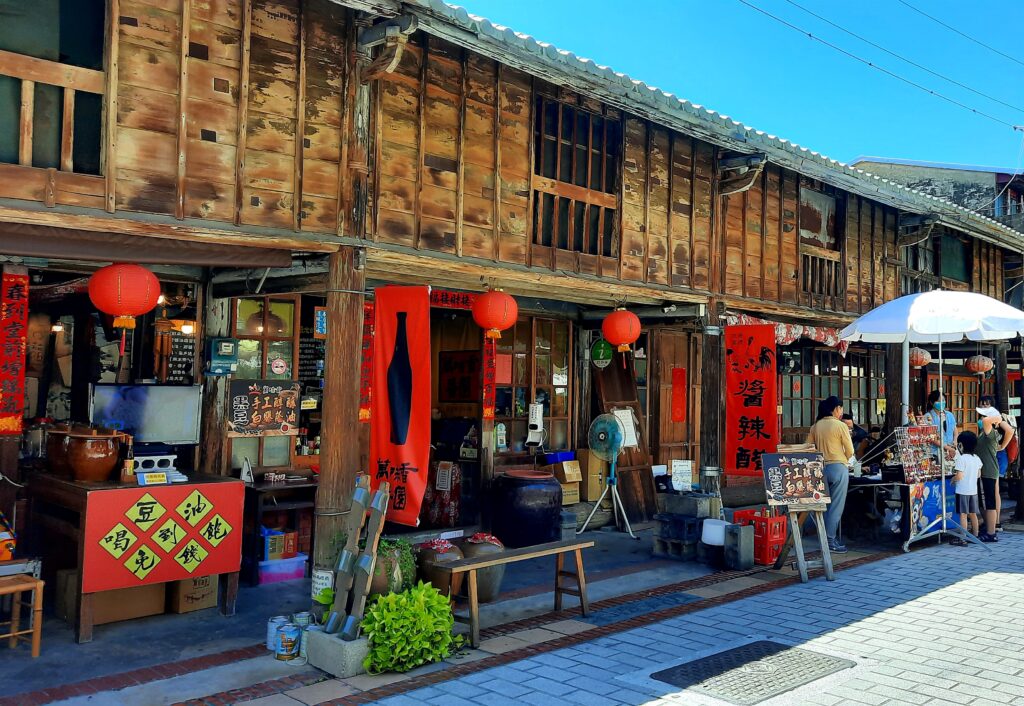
<point>15,586</point>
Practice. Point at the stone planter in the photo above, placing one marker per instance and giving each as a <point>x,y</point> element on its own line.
<point>429,555</point>
<point>488,581</point>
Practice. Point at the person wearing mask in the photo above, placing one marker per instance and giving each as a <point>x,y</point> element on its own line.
<point>941,418</point>
<point>831,437</point>
<point>990,424</point>
<point>858,434</point>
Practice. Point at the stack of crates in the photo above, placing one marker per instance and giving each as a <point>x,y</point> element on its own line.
<point>676,535</point>
<point>769,533</point>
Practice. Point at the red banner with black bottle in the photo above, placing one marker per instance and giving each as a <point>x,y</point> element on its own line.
<point>400,398</point>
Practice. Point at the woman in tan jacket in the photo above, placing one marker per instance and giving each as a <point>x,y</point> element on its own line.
<point>831,437</point>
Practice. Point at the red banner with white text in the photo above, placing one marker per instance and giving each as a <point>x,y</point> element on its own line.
<point>400,398</point>
<point>751,398</point>
<point>13,337</point>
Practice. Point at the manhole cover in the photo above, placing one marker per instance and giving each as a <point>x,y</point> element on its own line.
<point>752,673</point>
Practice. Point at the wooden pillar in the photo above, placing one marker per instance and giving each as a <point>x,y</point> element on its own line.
<point>1001,389</point>
<point>339,451</point>
<point>213,452</point>
<point>712,380</point>
<point>893,376</point>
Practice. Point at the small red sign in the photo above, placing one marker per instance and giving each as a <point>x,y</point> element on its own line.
<point>679,396</point>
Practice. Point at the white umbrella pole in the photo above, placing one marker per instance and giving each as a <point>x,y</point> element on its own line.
<point>942,441</point>
<point>905,376</point>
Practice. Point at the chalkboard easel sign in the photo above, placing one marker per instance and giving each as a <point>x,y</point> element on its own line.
<point>263,408</point>
<point>795,479</point>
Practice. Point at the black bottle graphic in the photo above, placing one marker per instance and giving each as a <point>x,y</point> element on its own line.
<point>400,384</point>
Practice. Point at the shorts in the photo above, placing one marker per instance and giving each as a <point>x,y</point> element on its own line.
<point>989,489</point>
<point>967,504</point>
<point>1004,462</point>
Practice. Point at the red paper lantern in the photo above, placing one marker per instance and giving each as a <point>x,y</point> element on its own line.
<point>919,357</point>
<point>621,328</point>
<point>124,291</point>
<point>979,364</point>
<point>494,311</point>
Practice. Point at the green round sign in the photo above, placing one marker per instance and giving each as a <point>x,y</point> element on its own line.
<point>601,354</point>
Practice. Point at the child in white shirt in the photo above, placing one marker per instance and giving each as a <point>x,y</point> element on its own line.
<point>968,466</point>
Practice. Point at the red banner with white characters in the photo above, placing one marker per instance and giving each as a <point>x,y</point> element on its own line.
<point>13,338</point>
<point>443,299</point>
<point>751,398</point>
<point>366,364</point>
<point>490,367</point>
<point>400,399</point>
<point>136,536</point>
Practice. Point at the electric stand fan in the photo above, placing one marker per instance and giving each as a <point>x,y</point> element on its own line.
<point>605,441</point>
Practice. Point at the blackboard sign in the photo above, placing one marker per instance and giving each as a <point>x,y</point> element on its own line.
<point>795,479</point>
<point>263,408</point>
<point>311,359</point>
<point>181,362</point>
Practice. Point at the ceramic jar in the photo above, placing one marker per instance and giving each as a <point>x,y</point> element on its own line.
<point>93,454</point>
<point>488,580</point>
<point>526,508</point>
<point>429,555</point>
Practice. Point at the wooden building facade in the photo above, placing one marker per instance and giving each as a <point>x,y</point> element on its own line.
<point>381,141</point>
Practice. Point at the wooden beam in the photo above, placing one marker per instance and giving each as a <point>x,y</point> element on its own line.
<point>28,106</point>
<point>108,157</point>
<point>359,145</point>
<point>51,73</point>
<point>300,119</point>
<point>460,177</point>
<point>67,132</point>
<point>242,130</point>
<point>182,141</point>
<point>347,105</point>
<point>497,170</point>
<point>421,142</point>
<point>649,167</point>
<point>339,453</point>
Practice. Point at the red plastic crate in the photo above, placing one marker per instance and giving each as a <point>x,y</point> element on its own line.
<point>766,554</point>
<point>769,533</point>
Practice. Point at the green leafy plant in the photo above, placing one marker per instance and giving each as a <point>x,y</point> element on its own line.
<point>325,596</point>
<point>408,629</point>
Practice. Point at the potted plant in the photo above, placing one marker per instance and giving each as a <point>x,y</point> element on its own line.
<point>408,629</point>
<point>394,569</point>
<point>488,581</point>
<point>429,555</point>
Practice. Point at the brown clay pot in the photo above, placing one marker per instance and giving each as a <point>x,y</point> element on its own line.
<point>488,581</point>
<point>56,450</point>
<point>93,454</point>
<point>387,577</point>
<point>427,559</point>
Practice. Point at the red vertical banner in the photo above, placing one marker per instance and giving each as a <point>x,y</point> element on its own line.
<point>13,337</point>
<point>751,398</point>
<point>490,372</point>
<point>366,364</point>
<point>400,398</point>
<point>679,396</point>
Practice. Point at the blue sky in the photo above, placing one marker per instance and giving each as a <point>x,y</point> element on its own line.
<point>728,57</point>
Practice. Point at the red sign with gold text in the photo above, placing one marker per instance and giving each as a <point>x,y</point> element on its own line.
<point>443,299</point>
<point>751,418</point>
<point>13,338</point>
<point>366,363</point>
<point>400,417</point>
<point>137,536</point>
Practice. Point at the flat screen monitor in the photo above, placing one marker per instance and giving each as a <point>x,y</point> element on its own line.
<point>167,414</point>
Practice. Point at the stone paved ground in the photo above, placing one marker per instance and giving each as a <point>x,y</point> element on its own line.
<point>942,625</point>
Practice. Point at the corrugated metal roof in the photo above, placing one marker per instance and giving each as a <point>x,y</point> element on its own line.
<point>936,165</point>
<point>548,61</point>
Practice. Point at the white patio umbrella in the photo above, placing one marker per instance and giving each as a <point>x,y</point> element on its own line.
<point>939,316</point>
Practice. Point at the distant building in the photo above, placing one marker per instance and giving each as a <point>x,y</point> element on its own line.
<point>991,191</point>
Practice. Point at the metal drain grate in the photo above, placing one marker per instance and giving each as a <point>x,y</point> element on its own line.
<point>752,673</point>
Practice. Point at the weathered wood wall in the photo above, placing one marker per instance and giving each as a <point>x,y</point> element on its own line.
<point>453,150</point>
<point>987,271</point>
<point>232,112</point>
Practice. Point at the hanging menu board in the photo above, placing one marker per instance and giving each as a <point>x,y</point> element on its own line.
<point>795,479</point>
<point>312,352</point>
<point>182,361</point>
<point>264,408</point>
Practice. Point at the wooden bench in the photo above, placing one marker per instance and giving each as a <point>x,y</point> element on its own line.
<point>510,556</point>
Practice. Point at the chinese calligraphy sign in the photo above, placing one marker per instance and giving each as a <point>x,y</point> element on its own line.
<point>443,299</point>
<point>366,363</point>
<point>13,341</point>
<point>751,398</point>
<point>263,408</point>
<point>137,536</point>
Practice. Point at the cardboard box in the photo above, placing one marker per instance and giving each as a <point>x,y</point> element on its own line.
<point>188,595</point>
<point>570,493</point>
<point>566,471</point>
<point>280,545</point>
<point>591,465</point>
<point>110,606</point>
<point>595,476</point>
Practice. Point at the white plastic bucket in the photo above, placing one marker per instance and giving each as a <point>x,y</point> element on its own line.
<point>714,532</point>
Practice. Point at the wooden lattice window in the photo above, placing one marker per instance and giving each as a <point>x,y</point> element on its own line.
<point>575,179</point>
<point>919,267</point>
<point>822,274</point>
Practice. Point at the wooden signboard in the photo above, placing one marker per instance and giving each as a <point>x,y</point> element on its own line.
<point>136,536</point>
<point>263,408</point>
<point>795,479</point>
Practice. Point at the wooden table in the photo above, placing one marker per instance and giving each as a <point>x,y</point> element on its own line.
<point>261,498</point>
<point>509,556</point>
<point>61,510</point>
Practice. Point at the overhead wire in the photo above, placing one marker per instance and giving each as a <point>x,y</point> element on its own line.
<point>962,34</point>
<point>893,74</point>
<point>905,59</point>
<point>1016,172</point>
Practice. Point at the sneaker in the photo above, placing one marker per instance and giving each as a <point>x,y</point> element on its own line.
<point>836,548</point>
<point>988,538</point>
<point>999,527</point>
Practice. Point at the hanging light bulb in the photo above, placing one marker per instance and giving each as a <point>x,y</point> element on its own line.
<point>188,329</point>
<point>58,327</point>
